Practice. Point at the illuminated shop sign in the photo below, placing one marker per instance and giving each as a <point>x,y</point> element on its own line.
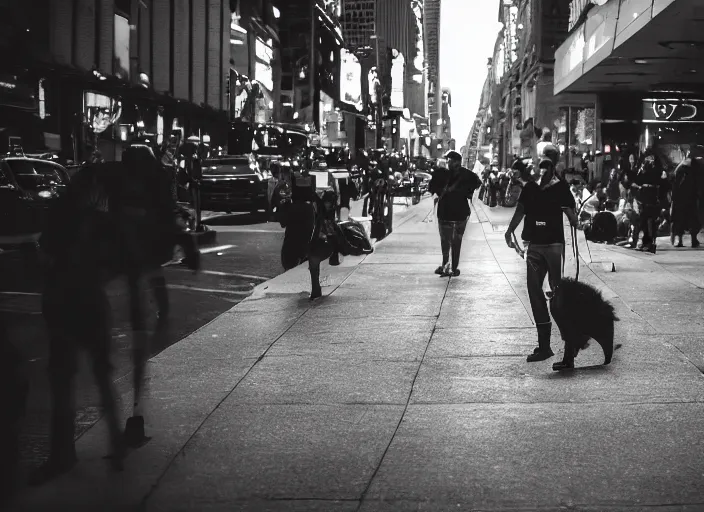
<point>262,68</point>
<point>397,79</point>
<point>673,110</point>
<point>350,79</point>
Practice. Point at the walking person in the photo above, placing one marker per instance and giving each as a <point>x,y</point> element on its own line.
<point>685,190</point>
<point>454,187</point>
<point>542,204</point>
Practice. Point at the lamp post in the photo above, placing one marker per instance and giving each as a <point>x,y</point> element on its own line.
<point>379,108</point>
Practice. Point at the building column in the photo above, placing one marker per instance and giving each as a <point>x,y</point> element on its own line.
<point>182,49</point>
<point>161,48</point>
<point>214,64</point>
<point>84,26</point>
<point>61,31</point>
<point>106,35</point>
<point>198,43</point>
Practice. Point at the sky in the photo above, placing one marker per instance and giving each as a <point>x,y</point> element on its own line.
<point>468,30</point>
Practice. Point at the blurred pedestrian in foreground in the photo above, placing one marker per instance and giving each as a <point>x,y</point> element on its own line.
<point>454,187</point>
<point>78,242</point>
<point>542,204</point>
<point>14,388</point>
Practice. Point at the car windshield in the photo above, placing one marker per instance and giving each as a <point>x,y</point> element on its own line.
<point>297,141</point>
<point>31,175</point>
<point>227,166</point>
<point>270,141</point>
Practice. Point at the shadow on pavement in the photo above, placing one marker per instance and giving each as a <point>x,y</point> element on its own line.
<point>235,219</point>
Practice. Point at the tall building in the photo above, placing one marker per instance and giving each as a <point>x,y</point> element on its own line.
<point>255,61</point>
<point>431,13</point>
<point>387,36</point>
<point>101,71</point>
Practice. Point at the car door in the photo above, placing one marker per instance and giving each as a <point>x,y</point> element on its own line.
<point>11,212</point>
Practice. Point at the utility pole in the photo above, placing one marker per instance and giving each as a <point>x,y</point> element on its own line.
<point>379,107</point>
<point>311,65</point>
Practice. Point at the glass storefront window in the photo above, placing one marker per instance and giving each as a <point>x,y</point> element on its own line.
<point>672,142</point>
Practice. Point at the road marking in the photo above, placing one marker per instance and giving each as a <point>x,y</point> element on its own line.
<point>216,249</point>
<point>206,290</point>
<point>227,274</point>
<point>237,229</point>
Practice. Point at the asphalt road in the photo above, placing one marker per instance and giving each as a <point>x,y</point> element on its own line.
<point>246,253</point>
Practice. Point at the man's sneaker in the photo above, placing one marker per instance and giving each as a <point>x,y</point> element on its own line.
<point>541,355</point>
<point>455,272</point>
<point>439,270</point>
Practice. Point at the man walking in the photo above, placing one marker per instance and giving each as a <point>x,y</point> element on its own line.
<point>684,213</point>
<point>454,187</point>
<point>542,203</point>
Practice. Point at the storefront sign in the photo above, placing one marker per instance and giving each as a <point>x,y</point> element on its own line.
<point>568,60</point>
<point>673,111</point>
<point>350,79</point>
<point>262,69</point>
<point>397,80</point>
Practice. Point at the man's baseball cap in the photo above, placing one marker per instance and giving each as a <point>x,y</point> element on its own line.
<point>452,155</point>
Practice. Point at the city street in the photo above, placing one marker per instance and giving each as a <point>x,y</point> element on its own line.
<point>400,390</point>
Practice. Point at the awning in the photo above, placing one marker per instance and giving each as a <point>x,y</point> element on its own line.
<point>634,45</point>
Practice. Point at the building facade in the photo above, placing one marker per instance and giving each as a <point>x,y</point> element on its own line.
<point>104,71</point>
<point>523,105</point>
<point>642,62</point>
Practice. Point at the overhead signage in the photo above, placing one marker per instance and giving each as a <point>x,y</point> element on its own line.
<point>673,110</point>
<point>350,80</point>
<point>397,80</point>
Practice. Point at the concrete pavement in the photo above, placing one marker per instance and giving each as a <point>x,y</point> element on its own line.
<point>400,390</point>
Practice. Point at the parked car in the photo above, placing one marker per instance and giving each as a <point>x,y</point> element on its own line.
<point>28,186</point>
<point>234,183</point>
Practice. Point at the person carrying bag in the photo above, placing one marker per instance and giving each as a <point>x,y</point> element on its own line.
<point>454,188</point>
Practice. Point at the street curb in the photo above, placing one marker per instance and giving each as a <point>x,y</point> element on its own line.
<point>326,270</point>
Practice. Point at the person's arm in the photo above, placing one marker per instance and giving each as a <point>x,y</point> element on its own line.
<point>515,221</point>
<point>568,206</point>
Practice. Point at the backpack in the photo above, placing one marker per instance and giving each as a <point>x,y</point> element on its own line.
<point>353,239</point>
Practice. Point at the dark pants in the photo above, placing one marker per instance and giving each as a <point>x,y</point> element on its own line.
<point>685,217</point>
<point>542,260</point>
<point>451,233</point>
<point>77,314</point>
<point>649,214</point>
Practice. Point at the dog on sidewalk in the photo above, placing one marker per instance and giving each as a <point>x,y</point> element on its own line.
<point>581,313</point>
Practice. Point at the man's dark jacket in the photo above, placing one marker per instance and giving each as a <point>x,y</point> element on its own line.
<point>454,190</point>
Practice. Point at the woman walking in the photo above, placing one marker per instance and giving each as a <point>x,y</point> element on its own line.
<point>454,187</point>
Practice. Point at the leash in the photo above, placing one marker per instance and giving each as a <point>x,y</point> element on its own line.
<point>575,250</point>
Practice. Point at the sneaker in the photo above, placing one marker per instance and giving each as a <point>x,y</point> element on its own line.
<point>540,355</point>
<point>455,272</point>
<point>439,270</point>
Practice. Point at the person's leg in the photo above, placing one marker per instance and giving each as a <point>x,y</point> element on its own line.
<point>314,268</point>
<point>694,225</point>
<point>445,243</point>
<point>535,277</point>
<point>456,245</point>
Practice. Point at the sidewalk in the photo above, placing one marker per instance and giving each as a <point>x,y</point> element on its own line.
<point>401,391</point>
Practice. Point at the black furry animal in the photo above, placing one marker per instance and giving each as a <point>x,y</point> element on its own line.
<point>603,228</point>
<point>582,313</point>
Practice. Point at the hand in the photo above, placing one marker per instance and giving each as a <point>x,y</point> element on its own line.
<point>508,236</point>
